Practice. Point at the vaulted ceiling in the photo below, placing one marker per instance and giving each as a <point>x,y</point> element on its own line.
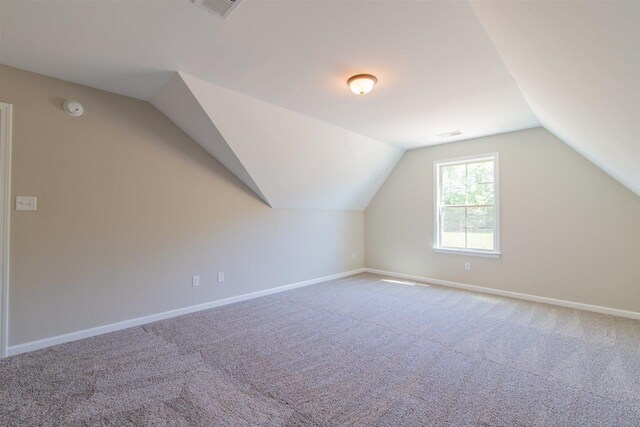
<point>578,66</point>
<point>264,90</point>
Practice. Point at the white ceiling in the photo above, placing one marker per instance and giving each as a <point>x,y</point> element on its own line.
<point>288,159</point>
<point>437,69</point>
<point>484,68</point>
<point>578,65</point>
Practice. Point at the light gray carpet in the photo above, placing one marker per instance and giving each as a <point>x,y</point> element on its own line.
<point>360,351</point>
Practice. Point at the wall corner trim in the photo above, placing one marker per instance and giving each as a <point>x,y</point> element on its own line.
<point>510,294</point>
<point>112,327</point>
<point>5,214</point>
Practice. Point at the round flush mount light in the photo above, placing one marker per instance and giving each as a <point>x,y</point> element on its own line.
<point>73,108</point>
<point>361,84</point>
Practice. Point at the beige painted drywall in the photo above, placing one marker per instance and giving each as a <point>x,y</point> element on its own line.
<point>129,208</point>
<point>568,230</point>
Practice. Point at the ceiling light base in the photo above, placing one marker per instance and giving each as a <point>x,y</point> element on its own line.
<point>361,84</point>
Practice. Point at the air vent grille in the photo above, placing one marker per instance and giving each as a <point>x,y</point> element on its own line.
<point>222,8</point>
<point>449,134</point>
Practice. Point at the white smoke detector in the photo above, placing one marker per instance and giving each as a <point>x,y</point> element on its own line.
<point>222,8</point>
<point>73,108</point>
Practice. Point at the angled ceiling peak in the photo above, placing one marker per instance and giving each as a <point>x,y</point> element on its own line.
<point>288,159</point>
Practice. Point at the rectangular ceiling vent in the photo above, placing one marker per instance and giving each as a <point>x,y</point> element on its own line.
<point>449,134</point>
<point>222,8</point>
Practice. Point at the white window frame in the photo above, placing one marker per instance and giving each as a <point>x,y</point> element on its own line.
<point>437,164</point>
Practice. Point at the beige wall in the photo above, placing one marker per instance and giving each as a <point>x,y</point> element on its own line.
<point>129,208</point>
<point>569,231</point>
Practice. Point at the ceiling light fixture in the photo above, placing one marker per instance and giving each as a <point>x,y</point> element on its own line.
<point>361,84</point>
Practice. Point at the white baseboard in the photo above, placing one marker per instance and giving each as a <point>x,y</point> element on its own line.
<point>99,330</point>
<point>499,292</point>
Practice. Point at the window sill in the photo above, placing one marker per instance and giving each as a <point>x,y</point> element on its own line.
<point>468,252</point>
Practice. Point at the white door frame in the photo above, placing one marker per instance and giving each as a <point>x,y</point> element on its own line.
<point>5,211</point>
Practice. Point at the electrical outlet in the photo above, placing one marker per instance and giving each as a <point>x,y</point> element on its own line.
<point>26,203</point>
<point>467,266</point>
<point>195,281</point>
<point>353,255</point>
<point>220,277</point>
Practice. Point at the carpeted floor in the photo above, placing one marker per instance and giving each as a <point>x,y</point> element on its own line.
<point>362,351</point>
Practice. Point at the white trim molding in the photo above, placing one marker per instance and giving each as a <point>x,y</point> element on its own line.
<point>5,213</point>
<point>99,330</point>
<point>510,294</point>
<point>468,252</point>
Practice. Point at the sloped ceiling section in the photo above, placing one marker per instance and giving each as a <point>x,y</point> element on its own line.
<point>437,69</point>
<point>288,159</point>
<point>577,64</point>
<point>176,101</point>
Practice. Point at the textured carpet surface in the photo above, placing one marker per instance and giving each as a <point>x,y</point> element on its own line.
<point>361,351</point>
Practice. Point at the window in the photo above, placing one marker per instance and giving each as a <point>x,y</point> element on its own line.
<point>467,219</point>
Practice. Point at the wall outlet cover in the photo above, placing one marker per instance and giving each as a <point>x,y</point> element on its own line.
<point>26,203</point>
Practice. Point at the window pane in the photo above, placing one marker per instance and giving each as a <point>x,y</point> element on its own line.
<point>453,227</point>
<point>480,173</point>
<point>454,191</point>
<point>453,238</point>
<point>479,218</point>
<point>480,228</point>
<point>481,194</point>
<point>480,239</point>
<point>480,188</point>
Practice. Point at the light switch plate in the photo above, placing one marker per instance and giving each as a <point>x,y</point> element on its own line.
<point>26,203</point>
